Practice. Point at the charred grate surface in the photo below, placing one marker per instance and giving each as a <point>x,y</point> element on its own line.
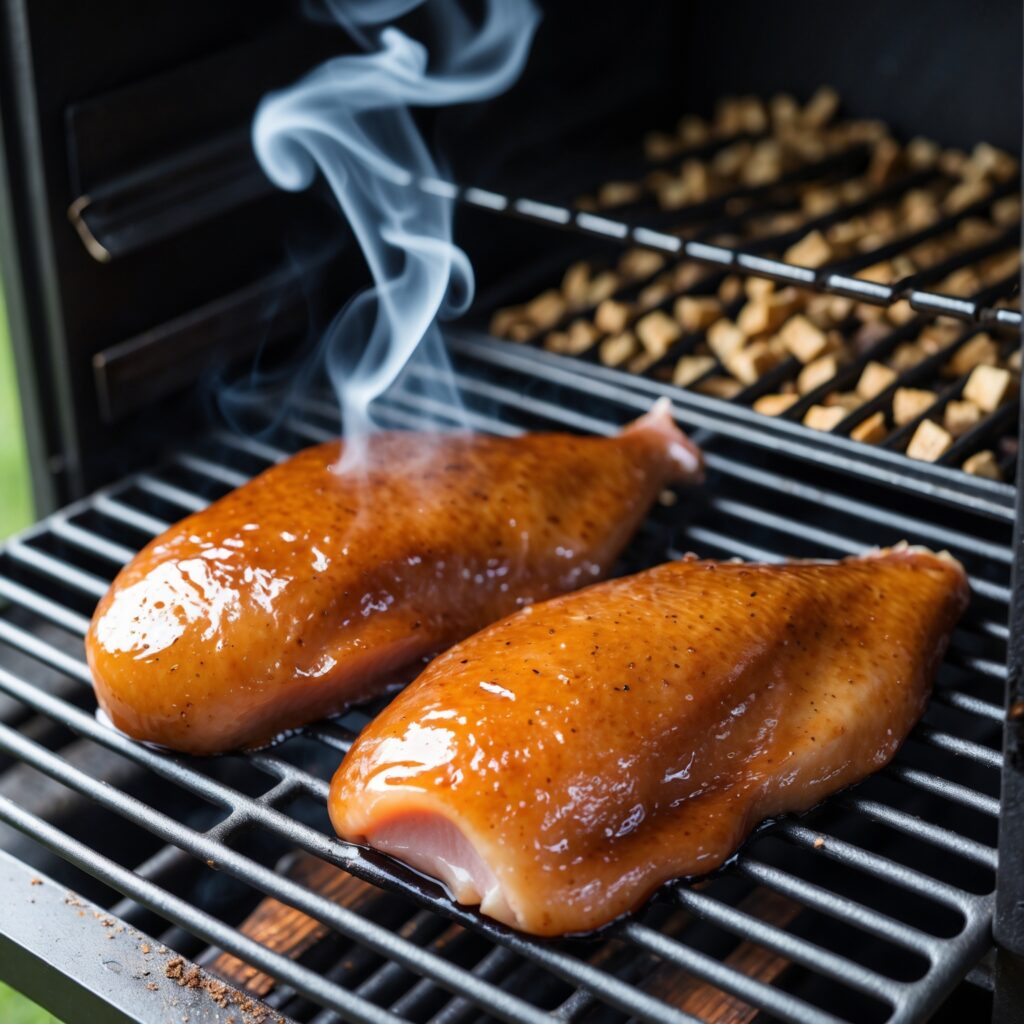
<point>872,907</point>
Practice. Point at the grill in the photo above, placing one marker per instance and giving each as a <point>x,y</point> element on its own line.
<point>923,832</point>
<point>140,884</point>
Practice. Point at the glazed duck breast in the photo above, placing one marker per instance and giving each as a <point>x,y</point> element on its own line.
<point>307,588</point>
<point>560,765</point>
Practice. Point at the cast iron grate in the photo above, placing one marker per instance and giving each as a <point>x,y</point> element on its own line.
<point>872,907</point>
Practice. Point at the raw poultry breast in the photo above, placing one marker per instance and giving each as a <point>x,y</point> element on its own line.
<point>560,765</point>
<point>310,586</point>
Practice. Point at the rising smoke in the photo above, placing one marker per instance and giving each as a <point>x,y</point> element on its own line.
<point>350,120</point>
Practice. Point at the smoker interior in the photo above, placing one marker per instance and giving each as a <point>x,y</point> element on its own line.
<point>145,252</point>
<point>873,907</point>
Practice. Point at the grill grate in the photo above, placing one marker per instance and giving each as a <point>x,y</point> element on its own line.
<point>890,885</point>
<point>850,225</point>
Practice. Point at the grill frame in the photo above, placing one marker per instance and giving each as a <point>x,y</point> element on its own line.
<point>536,374</point>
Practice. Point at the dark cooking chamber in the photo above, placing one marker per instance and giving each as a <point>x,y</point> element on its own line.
<point>147,257</point>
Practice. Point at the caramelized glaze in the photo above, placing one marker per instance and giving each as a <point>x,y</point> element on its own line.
<point>307,588</point>
<point>561,764</point>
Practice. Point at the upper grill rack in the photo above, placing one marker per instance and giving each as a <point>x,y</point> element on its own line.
<point>871,261</point>
<point>879,926</point>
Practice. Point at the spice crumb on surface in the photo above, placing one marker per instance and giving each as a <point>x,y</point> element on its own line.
<point>191,976</point>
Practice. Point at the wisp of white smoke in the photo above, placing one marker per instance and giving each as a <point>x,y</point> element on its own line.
<point>350,120</point>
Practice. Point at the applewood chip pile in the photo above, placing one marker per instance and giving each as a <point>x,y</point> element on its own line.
<point>915,383</point>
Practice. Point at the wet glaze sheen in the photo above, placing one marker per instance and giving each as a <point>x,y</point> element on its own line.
<point>561,764</point>
<point>308,588</point>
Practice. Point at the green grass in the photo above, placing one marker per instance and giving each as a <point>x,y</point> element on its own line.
<point>16,1009</point>
<point>15,495</point>
<point>15,512</point>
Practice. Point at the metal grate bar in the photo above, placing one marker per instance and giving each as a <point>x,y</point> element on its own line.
<point>155,868</point>
<point>944,788</point>
<point>181,497</point>
<point>790,946</point>
<point>985,667</point>
<point>421,930</point>
<point>965,702</point>
<point>839,907</point>
<point>700,965</point>
<point>214,470</point>
<point>30,644</point>
<point>89,541</point>
<point>917,827</point>
<point>318,435</point>
<point>249,445</point>
<point>965,748</point>
<point>142,521</point>
<point>57,569</point>
<point>170,493</point>
<point>492,967</point>
<point>881,867</point>
<point>44,606</point>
